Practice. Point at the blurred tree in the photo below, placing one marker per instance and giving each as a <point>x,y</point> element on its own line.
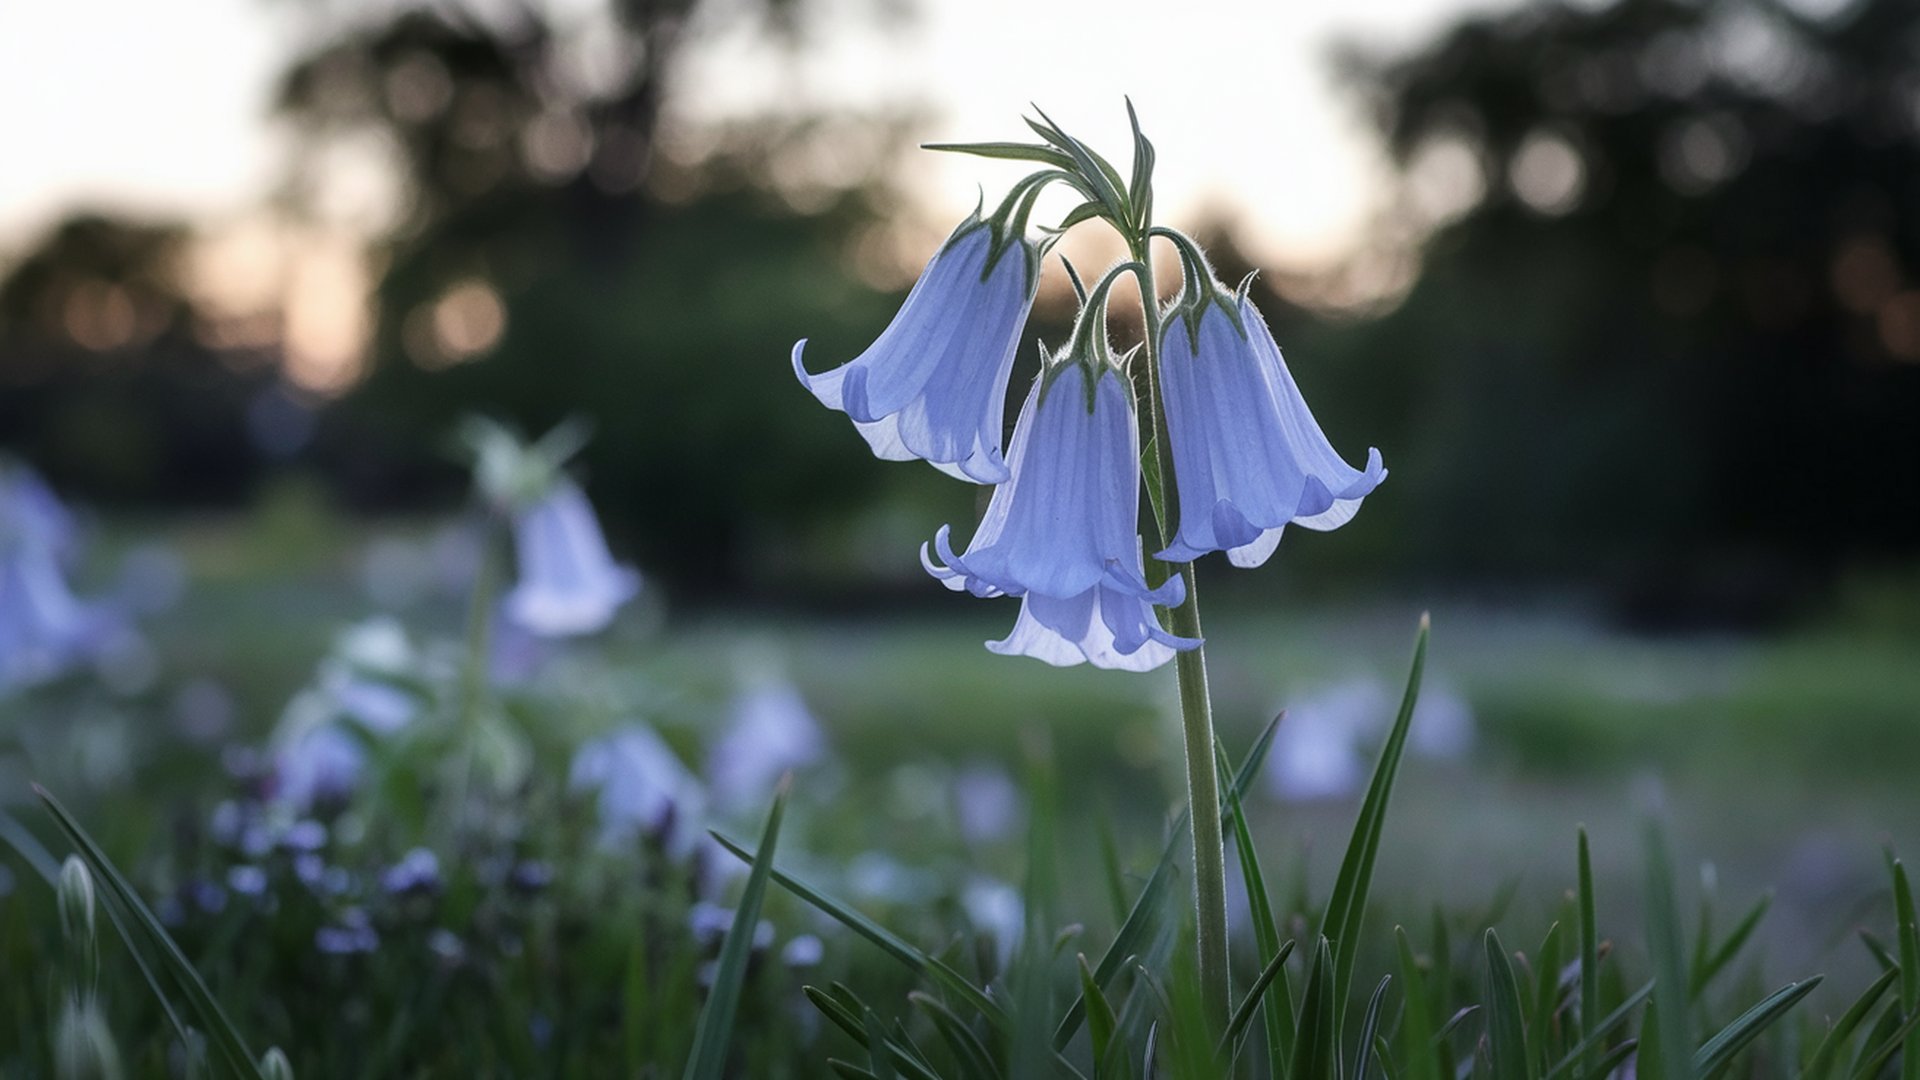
<point>1667,331</point>
<point>553,258</point>
<point>107,383</point>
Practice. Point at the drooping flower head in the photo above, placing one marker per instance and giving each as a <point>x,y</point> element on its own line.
<point>642,789</point>
<point>1063,531</point>
<point>771,733</point>
<point>934,384</point>
<point>1248,456</point>
<point>569,583</point>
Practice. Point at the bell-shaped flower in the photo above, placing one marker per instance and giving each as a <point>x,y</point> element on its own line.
<point>772,732</point>
<point>934,384</point>
<point>569,583</point>
<point>1062,532</point>
<point>1248,456</point>
<point>643,790</point>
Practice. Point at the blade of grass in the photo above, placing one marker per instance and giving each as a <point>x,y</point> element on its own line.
<point>914,959</point>
<point>1669,965</point>
<point>1872,1061</point>
<point>1314,1047</point>
<point>1369,1024</point>
<point>1546,999</point>
<point>1135,932</point>
<point>1348,905</point>
<point>1256,994</point>
<point>1416,1017</point>
<point>1581,1058</point>
<point>1589,958</point>
<point>1820,1065</point>
<point>1728,1041</point>
<point>713,1033</point>
<point>1711,964</point>
<point>142,932</point>
<point>1506,1032</point>
<point>1908,941</point>
<point>1101,1020</point>
<point>1276,1008</point>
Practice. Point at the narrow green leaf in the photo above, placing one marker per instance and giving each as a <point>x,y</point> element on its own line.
<point>1006,151</point>
<point>1086,211</point>
<point>1369,1024</point>
<point>1256,994</point>
<point>1716,961</point>
<point>713,1034</point>
<point>1582,1059</point>
<point>1277,1014</point>
<point>1506,1032</point>
<point>967,1048</point>
<point>1908,939</point>
<point>1827,1054</point>
<point>1669,966</point>
<point>1416,1017</point>
<point>1101,1020</point>
<point>1134,933</point>
<point>1140,188</point>
<point>1315,1045</point>
<point>1453,1022</point>
<point>1348,905</point>
<point>843,1018</point>
<point>877,1052</point>
<point>1546,998</point>
<point>1728,1041</point>
<point>914,959</point>
<point>143,933</point>
<point>849,1070</point>
<point>23,841</point>
<point>1871,1063</point>
<point>1589,959</point>
<point>1614,1058</point>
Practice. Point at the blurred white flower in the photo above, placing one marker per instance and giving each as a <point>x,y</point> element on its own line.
<point>996,911</point>
<point>643,790</point>
<point>986,802</point>
<point>569,583</point>
<point>1325,746</point>
<point>319,754</point>
<point>771,733</point>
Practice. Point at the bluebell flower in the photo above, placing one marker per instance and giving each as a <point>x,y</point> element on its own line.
<point>643,789</point>
<point>1062,532</point>
<point>1248,456</point>
<point>44,630</point>
<point>772,733</point>
<point>934,384</point>
<point>569,583</point>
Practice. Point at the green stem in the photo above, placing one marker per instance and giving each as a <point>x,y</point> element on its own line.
<point>1196,706</point>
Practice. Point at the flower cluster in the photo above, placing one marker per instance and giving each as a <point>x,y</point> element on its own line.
<point>1061,530</point>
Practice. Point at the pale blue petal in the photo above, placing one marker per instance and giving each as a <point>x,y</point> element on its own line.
<point>934,384</point>
<point>569,583</point>
<point>1106,627</point>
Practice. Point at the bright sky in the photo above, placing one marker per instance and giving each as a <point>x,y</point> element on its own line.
<point>162,107</point>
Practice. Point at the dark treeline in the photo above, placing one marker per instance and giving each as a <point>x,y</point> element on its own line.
<point>1664,337</point>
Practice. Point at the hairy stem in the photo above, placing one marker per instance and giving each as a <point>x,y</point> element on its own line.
<point>1196,705</point>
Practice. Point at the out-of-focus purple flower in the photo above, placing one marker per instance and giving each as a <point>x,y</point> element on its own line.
<point>321,765</point>
<point>1248,455</point>
<point>772,732</point>
<point>986,802</point>
<point>997,912</point>
<point>933,386</point>
<point>569,583</point>
<point>1321,750</point>
<point>30,509</point>
<point>44,631</point>
<point>354,934</point>
<point>357,695</point>
<point>644,790</point>
<point>803,951</point>
<point>418,871</point>
<point>247,879</point>
<point>1063,532</point>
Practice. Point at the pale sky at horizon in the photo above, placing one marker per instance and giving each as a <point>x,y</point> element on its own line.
<point>195,140</point>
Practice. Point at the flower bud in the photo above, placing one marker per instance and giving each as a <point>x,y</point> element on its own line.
<point>274,1065</point>
<point>76,903</point>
